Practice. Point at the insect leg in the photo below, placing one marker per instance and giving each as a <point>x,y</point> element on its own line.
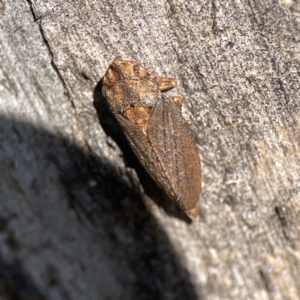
<point>176,100</point>
<point>166,83</point>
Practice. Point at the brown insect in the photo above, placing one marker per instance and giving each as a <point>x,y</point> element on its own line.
<point>156,130</point>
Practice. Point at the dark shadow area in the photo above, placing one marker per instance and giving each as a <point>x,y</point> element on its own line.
<point>113,129</point>
<point>15,283</point>
<point>102,202</point>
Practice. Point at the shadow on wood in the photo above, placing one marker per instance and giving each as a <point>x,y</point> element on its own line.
<point>80,226</point>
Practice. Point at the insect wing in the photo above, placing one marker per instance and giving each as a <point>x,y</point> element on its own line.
<point>175,148</point>
<point>144,152</point>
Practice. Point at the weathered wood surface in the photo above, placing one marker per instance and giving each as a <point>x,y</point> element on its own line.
<point>74,220</point>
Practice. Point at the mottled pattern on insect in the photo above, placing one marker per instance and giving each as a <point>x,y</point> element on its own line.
<point>156,130</point>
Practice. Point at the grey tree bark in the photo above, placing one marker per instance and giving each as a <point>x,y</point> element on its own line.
<point>79,220</point>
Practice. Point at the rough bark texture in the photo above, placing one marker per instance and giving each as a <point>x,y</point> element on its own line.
<point>76,218</point>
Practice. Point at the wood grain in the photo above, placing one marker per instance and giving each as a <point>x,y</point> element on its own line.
<point>75,222</point>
